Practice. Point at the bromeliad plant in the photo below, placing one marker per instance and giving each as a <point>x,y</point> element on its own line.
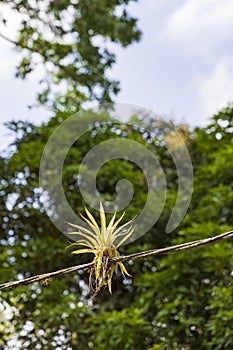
<point>103,242</point>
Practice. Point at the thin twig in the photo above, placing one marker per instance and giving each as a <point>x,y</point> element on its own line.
<point>139,255</point>
<point>8,39</point>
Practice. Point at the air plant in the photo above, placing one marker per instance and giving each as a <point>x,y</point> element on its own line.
<point>103,242</point>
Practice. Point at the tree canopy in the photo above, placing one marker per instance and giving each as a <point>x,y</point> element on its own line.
<point>73,42</point>
<point>183,300</point>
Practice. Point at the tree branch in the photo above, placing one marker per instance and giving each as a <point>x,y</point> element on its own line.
<point>139,255</point>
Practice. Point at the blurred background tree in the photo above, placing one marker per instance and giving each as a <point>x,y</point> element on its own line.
<point>73,41</point>
<point>180,301</point>
<point>183,300</point>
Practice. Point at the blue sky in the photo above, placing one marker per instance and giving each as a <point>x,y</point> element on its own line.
<point>182,68</point>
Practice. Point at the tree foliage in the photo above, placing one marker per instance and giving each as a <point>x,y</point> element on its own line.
<point>183,300</point>
<point>73,42</point>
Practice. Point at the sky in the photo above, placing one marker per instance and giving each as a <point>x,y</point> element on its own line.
<point>182,68</point>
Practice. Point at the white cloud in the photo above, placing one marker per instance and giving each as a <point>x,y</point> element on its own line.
<point>198,24</point>
<point>216,90</point>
